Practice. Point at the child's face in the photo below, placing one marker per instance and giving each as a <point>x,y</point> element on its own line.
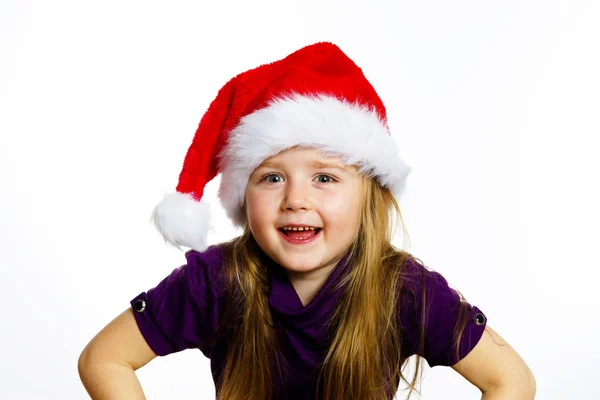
<point>289,188</point>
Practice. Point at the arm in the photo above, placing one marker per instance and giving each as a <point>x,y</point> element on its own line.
<point>108,363</point>
<point>508,392</point>
<point>111,381</point>
<point>497,370</point>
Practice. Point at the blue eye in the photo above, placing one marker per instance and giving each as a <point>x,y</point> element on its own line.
<point>266,178</point>
<point>326,176</point>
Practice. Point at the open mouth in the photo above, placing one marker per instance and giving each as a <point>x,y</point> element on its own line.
<point>300,235</point>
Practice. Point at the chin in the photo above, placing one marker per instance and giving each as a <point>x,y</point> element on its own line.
<point>302,263</point>
<point>300,268</point>
<point>298,263</point>
<point>295,261</point>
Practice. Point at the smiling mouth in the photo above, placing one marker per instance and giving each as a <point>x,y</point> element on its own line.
<point>292,233</point>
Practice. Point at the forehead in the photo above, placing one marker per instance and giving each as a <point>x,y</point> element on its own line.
<point>308,157</point>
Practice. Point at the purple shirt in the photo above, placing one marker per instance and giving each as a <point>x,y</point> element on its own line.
<point>182,312</point>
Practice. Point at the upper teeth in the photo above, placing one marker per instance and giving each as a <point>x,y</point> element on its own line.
<point>298,228</point>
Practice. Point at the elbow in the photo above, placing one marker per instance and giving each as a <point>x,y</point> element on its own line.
<point>521,387</point>
<point>87,361</point>
<point>528,384</point>
<point>532,384</point>
<point>83,363</point>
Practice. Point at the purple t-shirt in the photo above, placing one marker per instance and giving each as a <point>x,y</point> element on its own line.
<point>183,310</point>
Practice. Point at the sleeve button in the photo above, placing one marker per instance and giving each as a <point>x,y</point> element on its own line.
<point>140,305</point>
<point>479,319</point>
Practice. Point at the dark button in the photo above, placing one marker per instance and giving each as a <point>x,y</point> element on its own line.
<point>479,319</point>
<point>140,305</point>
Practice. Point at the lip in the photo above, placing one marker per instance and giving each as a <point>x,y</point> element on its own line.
<point>296,241</point>
<point>299,225</point>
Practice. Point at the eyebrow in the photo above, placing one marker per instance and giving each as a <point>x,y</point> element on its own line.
<point>314,164</point>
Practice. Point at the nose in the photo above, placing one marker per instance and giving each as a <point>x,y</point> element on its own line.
<point>297,196</point>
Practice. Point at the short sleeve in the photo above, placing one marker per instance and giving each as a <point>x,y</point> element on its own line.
<point>182,311</point>
<point>443,305</point>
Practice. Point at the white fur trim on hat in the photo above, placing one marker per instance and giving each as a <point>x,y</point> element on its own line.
<point>183,221</point>
<point>337,127</point>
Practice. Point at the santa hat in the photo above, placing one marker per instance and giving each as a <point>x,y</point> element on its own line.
<point>315,97</point>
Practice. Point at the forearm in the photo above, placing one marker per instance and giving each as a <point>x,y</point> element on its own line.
<point>110,381</point>
<point>507,392</point>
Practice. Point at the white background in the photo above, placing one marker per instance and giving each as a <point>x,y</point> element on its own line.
<point>494,105</point>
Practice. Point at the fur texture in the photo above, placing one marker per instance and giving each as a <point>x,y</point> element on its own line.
<point>183,221</point>
<point>337,127</point>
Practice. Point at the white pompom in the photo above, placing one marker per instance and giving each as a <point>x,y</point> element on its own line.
<point>183,221</point>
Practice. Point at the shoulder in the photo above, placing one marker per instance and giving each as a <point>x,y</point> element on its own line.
<point>206,267</point>
<point>183,311</point>
<point>429,305</point>
<point>417,279</point>
<point>422,292</point>
<point>211,258</point>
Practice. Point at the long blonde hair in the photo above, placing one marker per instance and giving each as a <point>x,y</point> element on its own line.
<point>364,360</point>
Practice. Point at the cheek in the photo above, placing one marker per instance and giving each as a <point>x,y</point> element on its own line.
<point>259,208</point>
<point>342,212</point>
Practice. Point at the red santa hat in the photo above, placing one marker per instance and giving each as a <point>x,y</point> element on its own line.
<point>315,97</point>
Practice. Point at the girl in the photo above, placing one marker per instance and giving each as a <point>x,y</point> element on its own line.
<point>312,300</point>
